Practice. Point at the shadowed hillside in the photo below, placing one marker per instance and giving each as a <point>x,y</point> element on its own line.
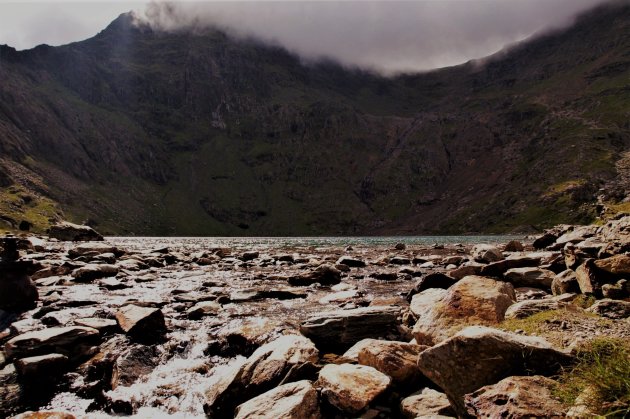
<point>156,133</point>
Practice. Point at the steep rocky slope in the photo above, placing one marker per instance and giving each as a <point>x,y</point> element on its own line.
<point>184,133</point>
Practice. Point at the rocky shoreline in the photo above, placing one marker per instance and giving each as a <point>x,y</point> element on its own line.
<point>154,328</point>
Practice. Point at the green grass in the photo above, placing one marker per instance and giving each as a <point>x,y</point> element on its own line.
<point>19,205</point>
<point>603,369</point>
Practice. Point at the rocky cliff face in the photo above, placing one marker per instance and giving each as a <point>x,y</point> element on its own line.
<point>177,133</point>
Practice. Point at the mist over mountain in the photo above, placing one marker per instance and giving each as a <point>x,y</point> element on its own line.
<point>141,130</point>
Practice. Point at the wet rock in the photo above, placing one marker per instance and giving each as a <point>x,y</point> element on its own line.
<point>565,282</point>
<point>92,249</point>
<point>90,272</point>
<point>104,326</point>
<point>528,308</point>
<point>545,240</point>
<point>433,280</point>
<point>479,356</point>
<point>385,276</point>
<point>338,330</point>
<point>289,401</point>
<point>486,253</point>
<point>471,268</point>
<point>395,359</point>
<point>41,367</point>
<point>426,403</point>
<point>400,260</point>
<point>613,309</point>
<point>112,284</point>
<point>143,324</point>
<point>204,308</point>
<point>340,297</point>
<point>50,271</point>
<point>516,397</point>
<point>530,277</point>
<point>351,262</point>
<point>351,388</point>
<point>133,363</point>
<point>514,246</point>
<point>473,300</point>
<point>499,268</point>
<point>284,360</point>
<point>255,294</point>
<point>70,341</point>
<point>66,231</point>
<point>247,256</point>
<point>400,246</point>
<point>323,274</point>
<point>45,414</point>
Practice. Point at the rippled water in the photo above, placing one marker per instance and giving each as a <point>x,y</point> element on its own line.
<point>259,243</point>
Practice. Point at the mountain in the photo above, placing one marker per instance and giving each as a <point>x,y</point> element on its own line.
<point>144,132</point>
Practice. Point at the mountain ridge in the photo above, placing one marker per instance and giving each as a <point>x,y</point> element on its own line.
<point>145,132</point>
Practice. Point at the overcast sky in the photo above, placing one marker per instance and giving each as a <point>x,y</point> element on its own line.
<point>388,36</point>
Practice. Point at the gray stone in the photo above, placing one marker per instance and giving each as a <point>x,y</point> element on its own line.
<point>395,359</point>
<point>42,366</point>
<point>530,277</point>
<point>91,272</point>
<point>66,231</point>
<point>486,253</point>
<point>565,282</point>
<point>143,324</point>
<point>528,308</point>
<point>427,402</point>
<point>473,300</point>
<point>351,388</point>
<point>613,309</point>
<point>351,262</point>
<point>289,401</point>
<point>500,267</point>
<point>338,330</point>
<point>516,397</point>
<point>479,356</point>
<point>69,341</point>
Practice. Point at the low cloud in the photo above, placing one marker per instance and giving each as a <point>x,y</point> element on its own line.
<point>386,36</point>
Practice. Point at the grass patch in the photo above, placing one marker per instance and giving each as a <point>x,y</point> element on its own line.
<point>18,204</point>
<point>602,367</point>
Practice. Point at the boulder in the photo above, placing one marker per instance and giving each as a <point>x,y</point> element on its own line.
<point>133,363</point>
<point>143,324</point>
<point>513,246</point>
<point>427,402</point>
<point>351,262</point>
<point>574,257</point>
<point>104,326</point>
<point>565,282</point>
<point>247,256</point>
<point>433,280</point>
<point>486,253</point>
<point>470,268</point>
<point>528,308</point>
<point>66,231</point>
<point>578,234</point>
<point>93,249</point>
<point>323,275</point>
<point>289,401</point>
<point>338,330</point>
<point>613,309</point>
<point>473,300</point>
<point>615,265</point>
<point>516,397</point>
<point>617,291</point>
<point>286,359</point>
<point>500,267</point>
<point>203,308</point>
<point>41,367</point>
<point>396,359</point>
<point>590,279</point>
<point>530,277</point>
<point>91,272</point>
<point>479,356</point>
<point>70,341</point>
<point>400,260</point>
<point>422,304</point>
<point>544,240</point>
<point>351,388</point>
<point>17,291</point>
